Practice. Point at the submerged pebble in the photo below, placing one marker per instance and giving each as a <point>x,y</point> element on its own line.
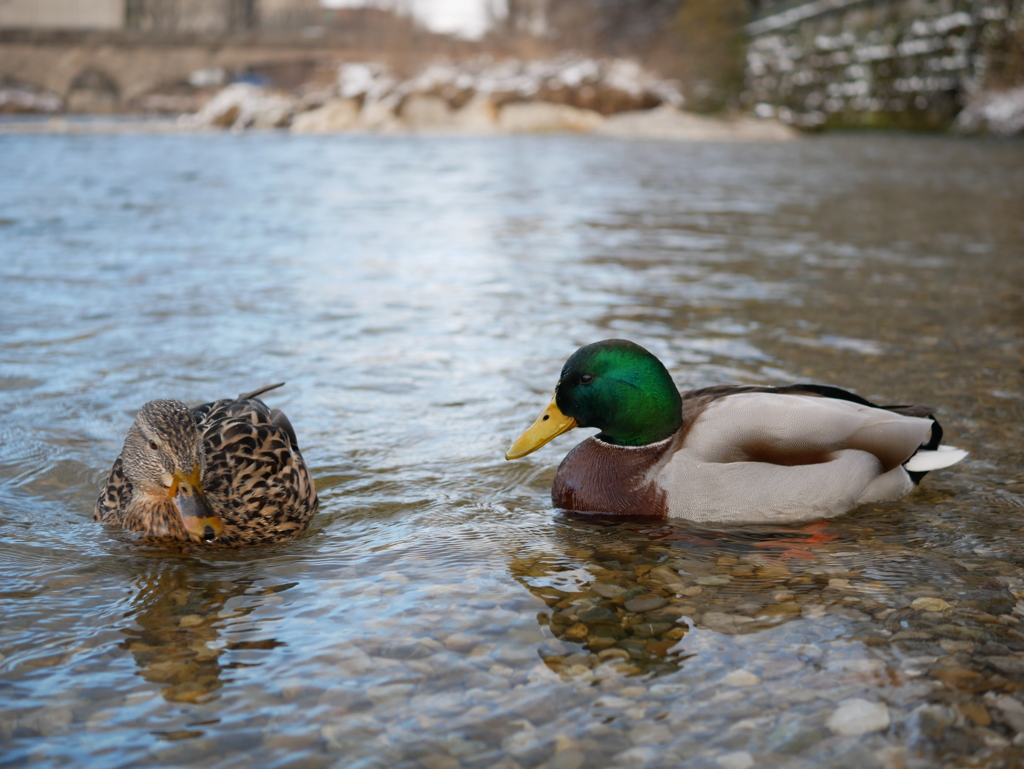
<point>856,716</point>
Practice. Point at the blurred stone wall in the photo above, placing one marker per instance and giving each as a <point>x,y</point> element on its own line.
<point>880,63</point>
<point>196,16</point>
<point>62,14</point>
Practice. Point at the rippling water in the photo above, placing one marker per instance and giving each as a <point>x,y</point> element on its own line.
<point>419,296</point>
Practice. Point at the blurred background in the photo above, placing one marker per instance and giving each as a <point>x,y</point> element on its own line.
<point>812,64</point>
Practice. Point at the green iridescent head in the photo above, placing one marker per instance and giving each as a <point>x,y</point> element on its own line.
<point>616,386</point>
<point>621,389</point>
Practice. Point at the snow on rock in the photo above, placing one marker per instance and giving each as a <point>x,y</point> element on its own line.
<point>243,105</point>
<point>602,85</point>
<point>612,97</point>
<point>18,97</point>
<point>997,112</point>
<point>366,80</point>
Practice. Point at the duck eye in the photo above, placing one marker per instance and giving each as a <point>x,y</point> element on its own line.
<point>586,379</point>
<point>152,445</point>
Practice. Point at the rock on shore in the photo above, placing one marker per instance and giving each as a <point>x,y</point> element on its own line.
<point>243,105</point>
<point>571,94</point>
<point>996,112</point>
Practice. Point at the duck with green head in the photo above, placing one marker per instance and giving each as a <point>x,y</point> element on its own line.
<point>725,454</point>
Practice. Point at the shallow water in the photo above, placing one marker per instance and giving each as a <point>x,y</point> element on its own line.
<point>419,295</point>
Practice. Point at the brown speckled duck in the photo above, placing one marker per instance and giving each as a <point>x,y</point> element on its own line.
<point>729,454</point>
<point>228,472</point>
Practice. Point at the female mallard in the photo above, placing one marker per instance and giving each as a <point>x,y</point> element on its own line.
<point>725,454</point>
<point>228,472</point>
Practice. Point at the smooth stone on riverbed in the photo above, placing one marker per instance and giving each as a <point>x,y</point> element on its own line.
<point>741,678</point>
<point>929,604</point>
<point>647,603</point>
<point>1006,664</point>
<point>606,590</point>
<point>738,760</point>
<point>856,716</point>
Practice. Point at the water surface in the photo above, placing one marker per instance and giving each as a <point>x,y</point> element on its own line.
<point>419,296</point>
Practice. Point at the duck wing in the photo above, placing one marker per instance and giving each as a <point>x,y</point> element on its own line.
<point>751,454</point>
<point>257,479</point>
<point>795,428</point>
<point>115,495</point>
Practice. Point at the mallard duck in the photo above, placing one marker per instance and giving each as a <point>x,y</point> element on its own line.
<point>228,472</point>
<point>725,454</point>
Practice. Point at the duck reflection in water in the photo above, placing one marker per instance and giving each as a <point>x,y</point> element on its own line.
<point>627,593</point>
<point>178,623</point>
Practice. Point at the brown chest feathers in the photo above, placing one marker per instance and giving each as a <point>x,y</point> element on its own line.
<point>620,480</point>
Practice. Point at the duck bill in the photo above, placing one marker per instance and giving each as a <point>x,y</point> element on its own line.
<point>196,516</point>
<point>549,425</point>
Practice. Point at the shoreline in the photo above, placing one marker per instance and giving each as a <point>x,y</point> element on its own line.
<point>660,124</point>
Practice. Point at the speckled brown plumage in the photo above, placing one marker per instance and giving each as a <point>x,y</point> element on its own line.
<point>253,477</point>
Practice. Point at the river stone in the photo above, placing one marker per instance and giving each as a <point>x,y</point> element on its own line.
<point>462,642</point>
<point>991,648</point>
<point>639,756</point>
<point>933,720</point>
<point>651,629</point>
<point>614,653</point>
<point>1006,664</point>
<point>571,758</point>
<point>975,711</point>
<point>50,721</point>
<point>724,623</point>
<point>780,609</point>
<point>667,614</point>
<point>597,614</point>
<point>1011,710</point>
<point>607,630</point>
<point>929,604</point>
<point>910,635</point>
<point>611,701</point>
<point>606,590</point>
<point>795,737</point>
<point>388,692</point>
<point>647,733</point>
<point>713,580</point>
<point>647,603</point>
<point>663,574</point>
<point>741,678</point>
<point>741,759</point>
<point>855,716</point>
<point>961,632</point>
<point>525,744</point>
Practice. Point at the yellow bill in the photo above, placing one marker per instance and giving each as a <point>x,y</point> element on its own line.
<point>196,515</point>
<point>550,424</point>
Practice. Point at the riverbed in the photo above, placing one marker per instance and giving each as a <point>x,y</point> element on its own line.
<point>419,296</point>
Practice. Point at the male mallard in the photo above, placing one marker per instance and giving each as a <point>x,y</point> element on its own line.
<point>725,454</point>
<point>228,472</point>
